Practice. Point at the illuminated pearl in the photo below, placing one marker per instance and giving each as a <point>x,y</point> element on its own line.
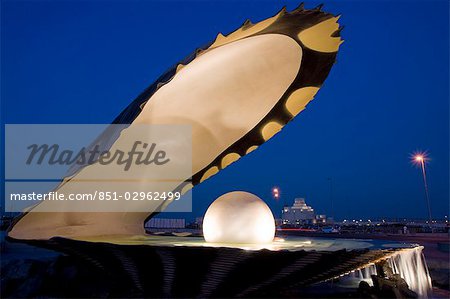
<point>239,217</point>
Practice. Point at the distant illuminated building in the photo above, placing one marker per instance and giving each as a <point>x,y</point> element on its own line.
<point>298,213</point>
<point>322,219</point>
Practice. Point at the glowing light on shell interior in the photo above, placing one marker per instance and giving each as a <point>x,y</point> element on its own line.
<point>239,217</point>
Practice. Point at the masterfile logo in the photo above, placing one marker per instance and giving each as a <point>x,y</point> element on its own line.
<point>98,167</point>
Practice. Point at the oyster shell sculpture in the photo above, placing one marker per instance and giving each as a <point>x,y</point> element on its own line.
<point>236,93</point>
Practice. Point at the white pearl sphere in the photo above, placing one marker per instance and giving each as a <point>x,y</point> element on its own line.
<point>239,217</point>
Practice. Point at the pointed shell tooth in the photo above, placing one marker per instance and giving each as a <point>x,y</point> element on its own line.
<point>180,66</point>
<point>241,33</point>
<point>219,37</point>
<point>142,105</point>
<point>247,24</point>
<point>319,37</point>
<point>198,52</point>
<point>300,7</point>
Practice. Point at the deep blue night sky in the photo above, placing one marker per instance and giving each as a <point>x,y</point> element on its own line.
<point>387,96</point>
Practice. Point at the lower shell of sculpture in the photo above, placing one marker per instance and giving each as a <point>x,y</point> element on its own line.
<point>202,271</point>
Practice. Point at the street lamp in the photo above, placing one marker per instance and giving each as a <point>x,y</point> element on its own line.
<point>420,159</point>
<point>276,193</point>
<point>276,196</point>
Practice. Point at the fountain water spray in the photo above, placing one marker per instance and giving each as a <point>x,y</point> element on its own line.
<point>410,264</point>
<point>365,274</point>
<point>412,267</point>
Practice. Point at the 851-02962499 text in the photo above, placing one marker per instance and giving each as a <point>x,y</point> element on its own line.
<point>97,195</point>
